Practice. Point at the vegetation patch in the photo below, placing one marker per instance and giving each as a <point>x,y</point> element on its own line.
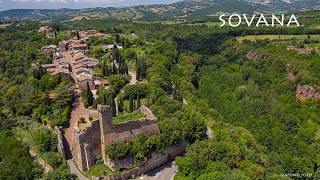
<point>128,117</point>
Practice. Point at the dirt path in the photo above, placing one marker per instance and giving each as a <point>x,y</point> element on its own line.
<point>133,75</point>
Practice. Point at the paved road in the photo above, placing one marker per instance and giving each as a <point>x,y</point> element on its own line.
<point>75,171</point>
<point>164,172</point>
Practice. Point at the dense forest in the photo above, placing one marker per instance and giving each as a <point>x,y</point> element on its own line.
<point>31,102</point>
<point>192,77</point>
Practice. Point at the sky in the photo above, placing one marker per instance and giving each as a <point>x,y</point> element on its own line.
<point>75,4</point>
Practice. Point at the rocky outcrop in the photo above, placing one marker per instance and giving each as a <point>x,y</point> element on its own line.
<point>292,75</point>
<point>305,92</point>
<point>253,55</point>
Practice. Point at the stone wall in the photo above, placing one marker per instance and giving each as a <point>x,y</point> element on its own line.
<point>124,131</point>
<point>158,159</point>
<point>129,130</point>
<point>155,161</point>
<point>60,141</point>
<point>87,146</point>
<point>90,143</point>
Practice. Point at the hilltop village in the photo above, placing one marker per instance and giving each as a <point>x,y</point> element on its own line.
<point>100,98</point>
<point>92,129</point>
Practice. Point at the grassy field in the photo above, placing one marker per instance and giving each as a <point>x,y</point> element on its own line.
<point>208,24</point>
<point>273,37</point>
<point>4,25</point>
<point>127,117</point>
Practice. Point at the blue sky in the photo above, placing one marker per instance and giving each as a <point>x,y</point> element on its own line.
<point>53,4</point>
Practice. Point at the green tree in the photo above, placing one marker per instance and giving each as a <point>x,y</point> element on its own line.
<point>118,150</point>
<point>138,100</point>
<point>120,104</point>
<point>78,35</point>
<point>87,96</point>
<point>15,162</point>
<point>131,108</point>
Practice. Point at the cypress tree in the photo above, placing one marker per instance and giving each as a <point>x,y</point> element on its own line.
<point>134,105</point>
<point>120,104</point>
<point>130,104</point>
<point>104,68</point>
<point>113,106</point>
<point>138,100</point>
<point>138,70</point>
<point>104,99</point>
<point>117,39</point>
<point>78,35</point>
<point>126,68</point>
<point>114,68</point>
<point>88,96</point>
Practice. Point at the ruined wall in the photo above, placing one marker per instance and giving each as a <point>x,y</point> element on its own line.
<point>307,92</point>
<point>158,159</point>
<point>90,143</point>
<point>129,130</point>
<point>124,131</point>
<point>60,145</point>
<point>155,161</point>
<point>87,146</point>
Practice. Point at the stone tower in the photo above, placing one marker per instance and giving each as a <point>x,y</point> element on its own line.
<point>106,126</point>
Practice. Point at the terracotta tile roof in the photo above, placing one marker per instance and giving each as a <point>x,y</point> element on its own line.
<point>84,77</point>
<point>79,45</point>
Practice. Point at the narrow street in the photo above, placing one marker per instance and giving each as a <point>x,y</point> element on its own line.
<point>75,171</point>
<point>164,172</point>
<point>77,110</point>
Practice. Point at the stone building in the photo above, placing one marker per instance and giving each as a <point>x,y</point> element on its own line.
<point>89,144</point>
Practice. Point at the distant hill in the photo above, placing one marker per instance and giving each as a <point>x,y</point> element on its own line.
<point>181,10</point>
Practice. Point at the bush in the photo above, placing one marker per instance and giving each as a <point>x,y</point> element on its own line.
<point>82,120</point>
<point>54,159</point>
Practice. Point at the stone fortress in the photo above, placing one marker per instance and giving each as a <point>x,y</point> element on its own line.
<point>89,144</point>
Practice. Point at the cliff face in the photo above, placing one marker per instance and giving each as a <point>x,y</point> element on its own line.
<point>305,92</point>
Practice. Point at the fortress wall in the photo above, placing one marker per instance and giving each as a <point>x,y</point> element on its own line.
<point>90,143</point>
<point>92,137</point>
<point>129,130</point>
<point>155,161</point>
<point>87,146</point>
<point>137,124</point>
<point>77,152</point>
<point>147,112</point>
<point>60,145</point>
